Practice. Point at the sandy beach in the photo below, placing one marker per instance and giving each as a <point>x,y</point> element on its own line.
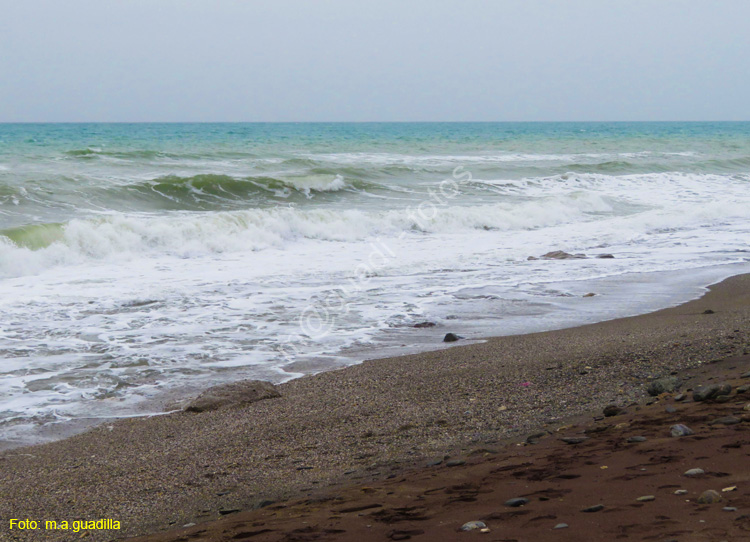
<point>350,452</point>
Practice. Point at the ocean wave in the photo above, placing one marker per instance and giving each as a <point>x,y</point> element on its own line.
<point>32,248</point>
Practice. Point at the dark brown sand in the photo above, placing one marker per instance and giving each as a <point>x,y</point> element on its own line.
<point>559,480</point>
<point>331,434</point>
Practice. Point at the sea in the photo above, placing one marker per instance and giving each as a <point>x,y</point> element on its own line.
<point>145,262</point>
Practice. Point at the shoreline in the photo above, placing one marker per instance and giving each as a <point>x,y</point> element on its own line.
<point>364,422</point>
<point>574,310</point>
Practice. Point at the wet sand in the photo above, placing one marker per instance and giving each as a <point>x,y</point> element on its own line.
<point>384,421</point>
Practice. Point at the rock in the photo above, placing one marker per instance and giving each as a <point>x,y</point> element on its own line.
<point>709,497</point>
<point>680,430</point>
<point>233,395</point>
<point>727,420</point>
<point>668,384</point>
<point>743,389</point>
<point>595,508</point>
<point>729,509</point>
<point>669,409</point>
<point>605,256</point>
<point>730,488</point>
<point>612,410</point>
<point>681,492</point>
<point>473,525</point>
<point>451,338</point>
<point>590,294</point>
<point>704,393</point>
<point>561,255</point>
<point>425,324</point>
<point>574,440</point>
<point>532,258</point>
<point>724,389</point>
<point>746,407</point>
<point>515,503</point>
<point>636,439</point>
<point>561,526</point>
<point>454,462</point>
<point>646,498</point>
<point>694,472</point>
<point>745,375</point>
<point>708,311</point>
<point>723,398</point>
<point>680,397</point>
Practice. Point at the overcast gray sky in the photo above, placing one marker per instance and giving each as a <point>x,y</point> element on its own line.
<point>357,60</point>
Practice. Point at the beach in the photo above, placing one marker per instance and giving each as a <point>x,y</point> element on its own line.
<point>374,424</point>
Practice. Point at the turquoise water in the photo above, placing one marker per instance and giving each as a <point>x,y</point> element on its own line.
<point>140,259</point>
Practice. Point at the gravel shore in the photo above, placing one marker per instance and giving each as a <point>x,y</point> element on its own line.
<point>360,424</point>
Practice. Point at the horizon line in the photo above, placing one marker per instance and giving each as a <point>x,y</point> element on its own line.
<point>360,121</point>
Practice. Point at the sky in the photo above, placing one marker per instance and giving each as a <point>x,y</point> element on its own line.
<point>368,60</point>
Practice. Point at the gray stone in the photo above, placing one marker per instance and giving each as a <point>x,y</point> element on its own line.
<point>681,492</point>
<point>680,397</point>
<point>667,384</point>
<point>515,503</point>
<point>233,395</point>
<point>425,324</point>
<point>723,398</point>
<point>605,256</point>
<point>709,496</point>
<point>646,498</point>
<point>670,409</point>
<point>473,525</point>
<point>704,393</point>
<point>636,439</point>
<point>454,463</point>
<point>561,526</point>
<point>595,508</point>
<point>743,389</point>
<point>562,255</point>
<point>745,375</point>
<point>727,420</point>
<point>451,338</point>
<point>729,509</point>
<point>694,472</point>
<point>680,430</point>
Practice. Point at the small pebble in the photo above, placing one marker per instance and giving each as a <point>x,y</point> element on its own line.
<point>694,472</point>
<point>730,488</point>
<point>745,375</point>
<point>646,498</point>
<point>637,439</point>
<point>561,526</point>
<point>729,509</point>
<point>595,508</point>
<point>454,462</point>
<point>670,409</point>
<point>681,492</point>
<point>473,525</point>
<point>680,430</point>
<point>515,503</point>
<point>680,397</point>
<point>746,407</point>
<point>709,497</point>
